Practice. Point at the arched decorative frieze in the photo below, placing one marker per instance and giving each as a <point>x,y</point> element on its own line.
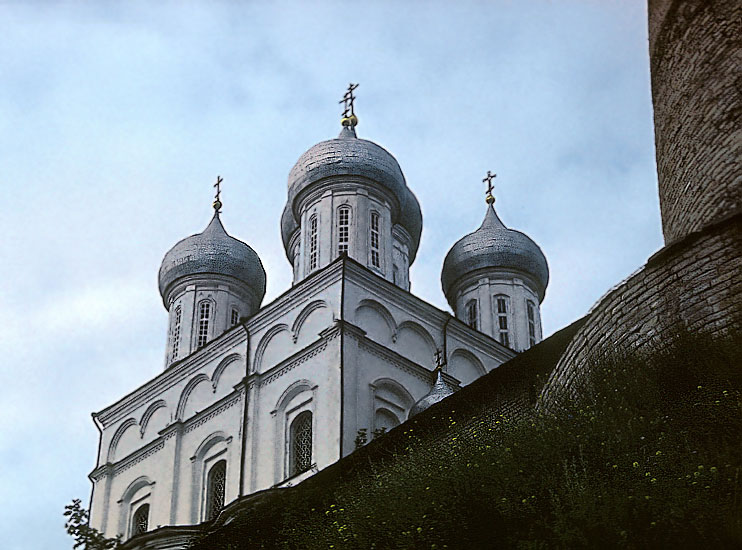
<point>415,343</point>
<point>382,385</point>
<point>390,402</point>
<point>147,416</point>
<point>221,367</point>
<point>118,434</point>
<point>187,391</point>
<point>208,442</point>
<point>264,341</point>
<point>302,317</point>
<point>465,366</point>
<point>292,391</point>
<point>376,320</point>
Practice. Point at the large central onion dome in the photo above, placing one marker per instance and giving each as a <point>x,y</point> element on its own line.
<point>347,155</point>
<point>494,246</point>
<point>212,252</point>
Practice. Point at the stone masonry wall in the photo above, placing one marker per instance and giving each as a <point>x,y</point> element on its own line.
<point>695,54</point>
<point>694,285</point>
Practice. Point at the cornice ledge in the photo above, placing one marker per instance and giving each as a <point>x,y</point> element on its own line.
<point>215,409</point>
<point>393,358</point>
<point>138,456</point>
<point>170,377</point>
<point>299,357</point>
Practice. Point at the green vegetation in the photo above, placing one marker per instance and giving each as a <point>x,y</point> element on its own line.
<point>86,537</point>
<point>647,457</point>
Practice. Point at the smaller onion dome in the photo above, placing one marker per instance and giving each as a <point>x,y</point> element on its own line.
<point>440,390</point>
<point>212,252</point>
<point>494,246</point>
<point>348,155</point>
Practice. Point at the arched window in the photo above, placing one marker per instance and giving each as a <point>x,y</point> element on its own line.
<point>313,252</point>
<point>531,311</point>
<point>204,314</point>
<point>375,257</point>
<point>140,520</point>
<point>343,229</point>
<point>471,314</point>
<point>235,316</point>
<point>175,342</point>
<point>215,485</point>
<point>300,444</point>
<point>502,309</point>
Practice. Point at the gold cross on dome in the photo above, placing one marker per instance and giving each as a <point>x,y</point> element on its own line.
<point>488,180</point>
<point>217,202</point>
<point>348,99</point>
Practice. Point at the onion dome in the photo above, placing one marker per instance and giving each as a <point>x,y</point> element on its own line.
<point>494,246</point>
<point>212,252</point>
<point>347,155</point>
<point>440,390</point>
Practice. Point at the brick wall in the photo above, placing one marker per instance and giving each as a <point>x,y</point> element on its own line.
<point>694,284</point>
<point>695,54</point>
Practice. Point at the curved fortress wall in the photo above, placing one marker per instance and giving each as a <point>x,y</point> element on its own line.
<point>695,54</point>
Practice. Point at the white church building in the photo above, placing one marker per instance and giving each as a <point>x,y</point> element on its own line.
<point>256,395</point>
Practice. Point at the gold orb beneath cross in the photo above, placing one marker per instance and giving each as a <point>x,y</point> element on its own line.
<point>217,205</point>
<point>490,199</point>
<point>351,121</point>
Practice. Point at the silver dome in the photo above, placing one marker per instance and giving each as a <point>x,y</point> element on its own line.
<point>440,390</point>
<point>215,252</point>
<point>491,246</point>
<point>347,155</point>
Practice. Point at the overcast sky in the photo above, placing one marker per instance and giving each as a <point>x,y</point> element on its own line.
<point>115,119</point>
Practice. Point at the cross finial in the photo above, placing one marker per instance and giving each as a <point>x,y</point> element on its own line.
<point>438,359</point>
<point>217,202</point>
<point>349,114</point>
<point>490,176</point>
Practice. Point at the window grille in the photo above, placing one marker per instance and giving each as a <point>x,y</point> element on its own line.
<point>140,520</point>
<point>471,314</point>
<point>176,334</point>
<point>343,230</point>
<point>204,313</point>
<point>502,319</point>
<point>375,258</point>
<point>313,243</point>
<point>215,485</point>
<point>300,454</point>
<point>531,322</point>
<point>235,317</point>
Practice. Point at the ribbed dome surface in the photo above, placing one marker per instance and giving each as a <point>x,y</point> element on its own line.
<point>212,252</point>
<point>348,155</point>
<point>440,390</point>
<point>491,246</point>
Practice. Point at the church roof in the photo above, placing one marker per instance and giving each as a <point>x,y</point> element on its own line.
<point>212,252</point>
<point>491,246</point>
<point>348,155</point>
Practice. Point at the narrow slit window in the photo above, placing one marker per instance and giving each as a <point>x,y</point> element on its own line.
<point>375,257</point>
<point>343,230</point>
<point>140,520</point>
<point>300,444</point>
<point>502,304</point>
<point>471,314</point>
<point>204,315</point>
<point>175,343</point>
<point>215,484</point>
<point>313,252</point>
<point>530,308</point>
<point>235,317</point>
